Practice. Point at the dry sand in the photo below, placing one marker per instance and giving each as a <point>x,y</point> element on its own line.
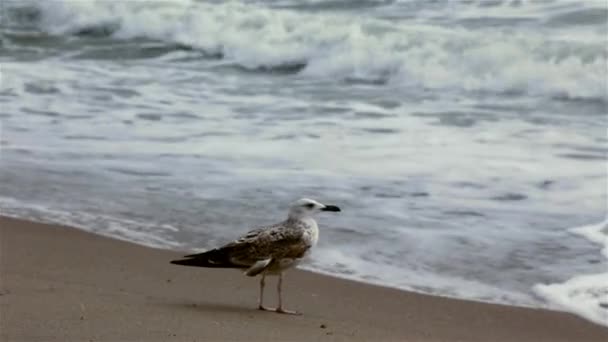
<point>63,284</point>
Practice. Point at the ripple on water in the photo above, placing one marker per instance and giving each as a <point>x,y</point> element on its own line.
<point>461,213</point>
<point>185,116</point>
<point>142,173</point>
<point>79,117</point>
<point>381,130</point>
<point>330,109</point>
<point>470,185</point>
<point>118,92</point>
<point>85,137</point>
<point>211,134</point>
<point>546,184</point>
<point>387,104</point>
<point>149,116</point>
<point>510,196</point>
<point>583,152</point>
<point>589,16</point>
<point>40,88</point>
<point>21,150</point>
<point>583,156</point>
<point>295,136</point>
<point>20,129</point>
<point>371,115</point>
<point>39,112</point>
<point>463,119</point>
<point>388,195</point>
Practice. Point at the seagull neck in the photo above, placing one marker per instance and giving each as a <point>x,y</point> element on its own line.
<point>298,218</point>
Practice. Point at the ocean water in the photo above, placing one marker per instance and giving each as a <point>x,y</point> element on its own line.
<point>465,141</point>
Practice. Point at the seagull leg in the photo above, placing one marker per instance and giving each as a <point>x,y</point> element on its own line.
<point>280,307</point>
<point>261,297</point>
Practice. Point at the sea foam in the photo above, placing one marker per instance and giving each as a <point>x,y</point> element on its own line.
<point>584,295</point>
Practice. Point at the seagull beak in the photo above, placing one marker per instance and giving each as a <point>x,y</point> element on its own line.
<point>330,208</point>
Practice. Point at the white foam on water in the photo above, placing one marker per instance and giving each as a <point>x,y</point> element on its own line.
<point>596,233</point>
<point>506,9</point>
<point>341,263</point>
<point>584,295</point>
<point>146,234</point>
<point>343,46</point>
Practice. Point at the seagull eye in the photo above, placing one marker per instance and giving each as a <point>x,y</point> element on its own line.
<point>309,205</point>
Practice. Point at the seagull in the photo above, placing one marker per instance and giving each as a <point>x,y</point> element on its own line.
<point>268,250</point>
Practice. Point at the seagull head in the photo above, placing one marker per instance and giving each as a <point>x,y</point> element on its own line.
<point>306,207</point>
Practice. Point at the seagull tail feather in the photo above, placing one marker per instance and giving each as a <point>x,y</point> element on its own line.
<point>215,258</point>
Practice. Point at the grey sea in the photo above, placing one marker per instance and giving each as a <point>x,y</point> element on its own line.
<point>465,141</point>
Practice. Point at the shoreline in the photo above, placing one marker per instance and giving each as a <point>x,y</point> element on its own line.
<point>64,284</point>
<point>299,268</point>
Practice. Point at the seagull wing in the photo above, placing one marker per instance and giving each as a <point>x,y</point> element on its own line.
<point>275,242</point>
<point>264,244</point>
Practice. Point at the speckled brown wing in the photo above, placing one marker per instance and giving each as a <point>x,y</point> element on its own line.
<point>275,242</point>
<point>282,241</point>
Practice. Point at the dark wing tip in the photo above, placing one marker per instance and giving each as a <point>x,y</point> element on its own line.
<point>217,258</point>
<point>180,262</point>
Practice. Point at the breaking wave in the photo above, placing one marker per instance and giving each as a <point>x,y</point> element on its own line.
<point>336,45</point>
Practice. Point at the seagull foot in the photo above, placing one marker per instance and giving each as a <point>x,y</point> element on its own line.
<point>279,310</point>
<point>288,312</point>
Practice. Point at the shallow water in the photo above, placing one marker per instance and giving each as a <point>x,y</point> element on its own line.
<point>463,139</point>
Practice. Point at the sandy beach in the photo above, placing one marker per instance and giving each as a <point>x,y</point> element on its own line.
<point>63,284</point>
